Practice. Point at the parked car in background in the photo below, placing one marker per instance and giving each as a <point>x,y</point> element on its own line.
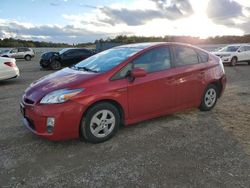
<point>233,54</point>
<point>122,85</point>
<point>64,58</point>
<point>8,68</point>
<point>19,53</point>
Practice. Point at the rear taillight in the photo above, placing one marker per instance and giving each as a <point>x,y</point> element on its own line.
<point>10,64</point>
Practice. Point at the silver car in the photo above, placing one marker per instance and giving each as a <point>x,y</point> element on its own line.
<point>19,53</point>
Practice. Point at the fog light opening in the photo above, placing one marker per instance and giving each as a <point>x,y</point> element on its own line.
<point>50,124</point>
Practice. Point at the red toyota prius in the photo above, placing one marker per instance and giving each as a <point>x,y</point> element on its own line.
<point>122,86</point>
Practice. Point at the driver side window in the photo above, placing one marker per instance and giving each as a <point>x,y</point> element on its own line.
<point>13,51</point>
<point>157,59</point>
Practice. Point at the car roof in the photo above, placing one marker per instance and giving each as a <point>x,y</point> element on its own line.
<point>74,49</point>
<point>239,44</point>
<point>145,45</point>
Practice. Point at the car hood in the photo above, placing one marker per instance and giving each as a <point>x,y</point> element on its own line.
<point>48,55</point>
<point>65,78</point>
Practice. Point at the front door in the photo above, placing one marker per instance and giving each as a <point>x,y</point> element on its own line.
<point>14,53</point>
<point>154,93</point>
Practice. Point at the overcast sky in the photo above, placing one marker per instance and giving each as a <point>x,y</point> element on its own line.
<point>76,21</point>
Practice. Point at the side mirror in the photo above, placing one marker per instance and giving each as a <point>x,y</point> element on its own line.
<point>137,73</point>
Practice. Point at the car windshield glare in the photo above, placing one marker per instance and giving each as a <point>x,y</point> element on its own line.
<point>108,59</point>
<point>230,49</point>
<point>63,50</point>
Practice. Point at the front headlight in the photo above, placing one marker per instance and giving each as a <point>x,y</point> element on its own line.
<point>60,96</point>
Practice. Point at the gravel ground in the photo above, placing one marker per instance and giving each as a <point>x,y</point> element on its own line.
<point>186,149</point>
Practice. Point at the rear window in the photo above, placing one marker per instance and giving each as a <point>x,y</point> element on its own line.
<point>23,49</point>
<point>203,56</point>
<point>185,56</point>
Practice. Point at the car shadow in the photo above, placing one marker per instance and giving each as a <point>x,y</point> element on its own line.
<point>10,81</point>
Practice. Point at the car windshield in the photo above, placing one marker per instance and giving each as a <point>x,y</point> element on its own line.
<point>63,50</point>
<point>4,51</point>
<point>229,49</point>
<point>106,60</point>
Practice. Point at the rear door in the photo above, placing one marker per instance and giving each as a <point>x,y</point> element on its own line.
<point>21,52</point>
<point>154,93</point>
<point>190,75</point>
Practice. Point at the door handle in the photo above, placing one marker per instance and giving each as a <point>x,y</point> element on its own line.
<point>202,72</point>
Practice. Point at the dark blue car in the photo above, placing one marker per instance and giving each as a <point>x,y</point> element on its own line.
<point>64,58</point>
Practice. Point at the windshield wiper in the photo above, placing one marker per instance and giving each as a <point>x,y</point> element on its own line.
<point>84,68</point>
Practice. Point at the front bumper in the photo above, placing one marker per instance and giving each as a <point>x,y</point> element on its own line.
<point>226,59</point>
<point>44,63</point>
<point>67,119</point>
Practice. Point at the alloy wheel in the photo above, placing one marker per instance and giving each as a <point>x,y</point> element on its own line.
<point>210,97</point>
<point>102,123</point>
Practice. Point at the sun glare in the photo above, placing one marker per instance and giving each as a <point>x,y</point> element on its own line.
<point>197,25</point>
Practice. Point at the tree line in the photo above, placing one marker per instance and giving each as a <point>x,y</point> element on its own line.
<point>10,42</point>
<point>123,39</point>
<point>185,39</point>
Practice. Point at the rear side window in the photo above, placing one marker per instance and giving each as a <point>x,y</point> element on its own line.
<point>23,49</point>
<point>247,48</point>
<point>203,56</point>
<point>154,60</point>
<point>185,56</point>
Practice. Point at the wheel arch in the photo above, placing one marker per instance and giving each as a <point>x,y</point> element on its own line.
<point>111,101</point>
<point>235,56</point>
<point>218,84</point>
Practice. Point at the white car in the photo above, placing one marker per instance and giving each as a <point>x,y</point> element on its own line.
<point>233,54</point>
<point>19,53</point>
<point>8,68</point>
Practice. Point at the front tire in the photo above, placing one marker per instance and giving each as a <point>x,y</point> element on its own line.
<point>100,123</point>
<point>209,98</point>
<point>27,57</point>
<point>55,65</point>
<point>233,61</point>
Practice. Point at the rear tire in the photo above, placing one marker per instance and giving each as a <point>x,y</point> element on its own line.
<point>100,123</point>
<point>55,65</point>
<point>233,61</point>
<point>27,57</point>
<point>209,98</point>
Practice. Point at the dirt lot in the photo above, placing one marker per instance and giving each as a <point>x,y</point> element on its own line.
<point>187,149</point>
